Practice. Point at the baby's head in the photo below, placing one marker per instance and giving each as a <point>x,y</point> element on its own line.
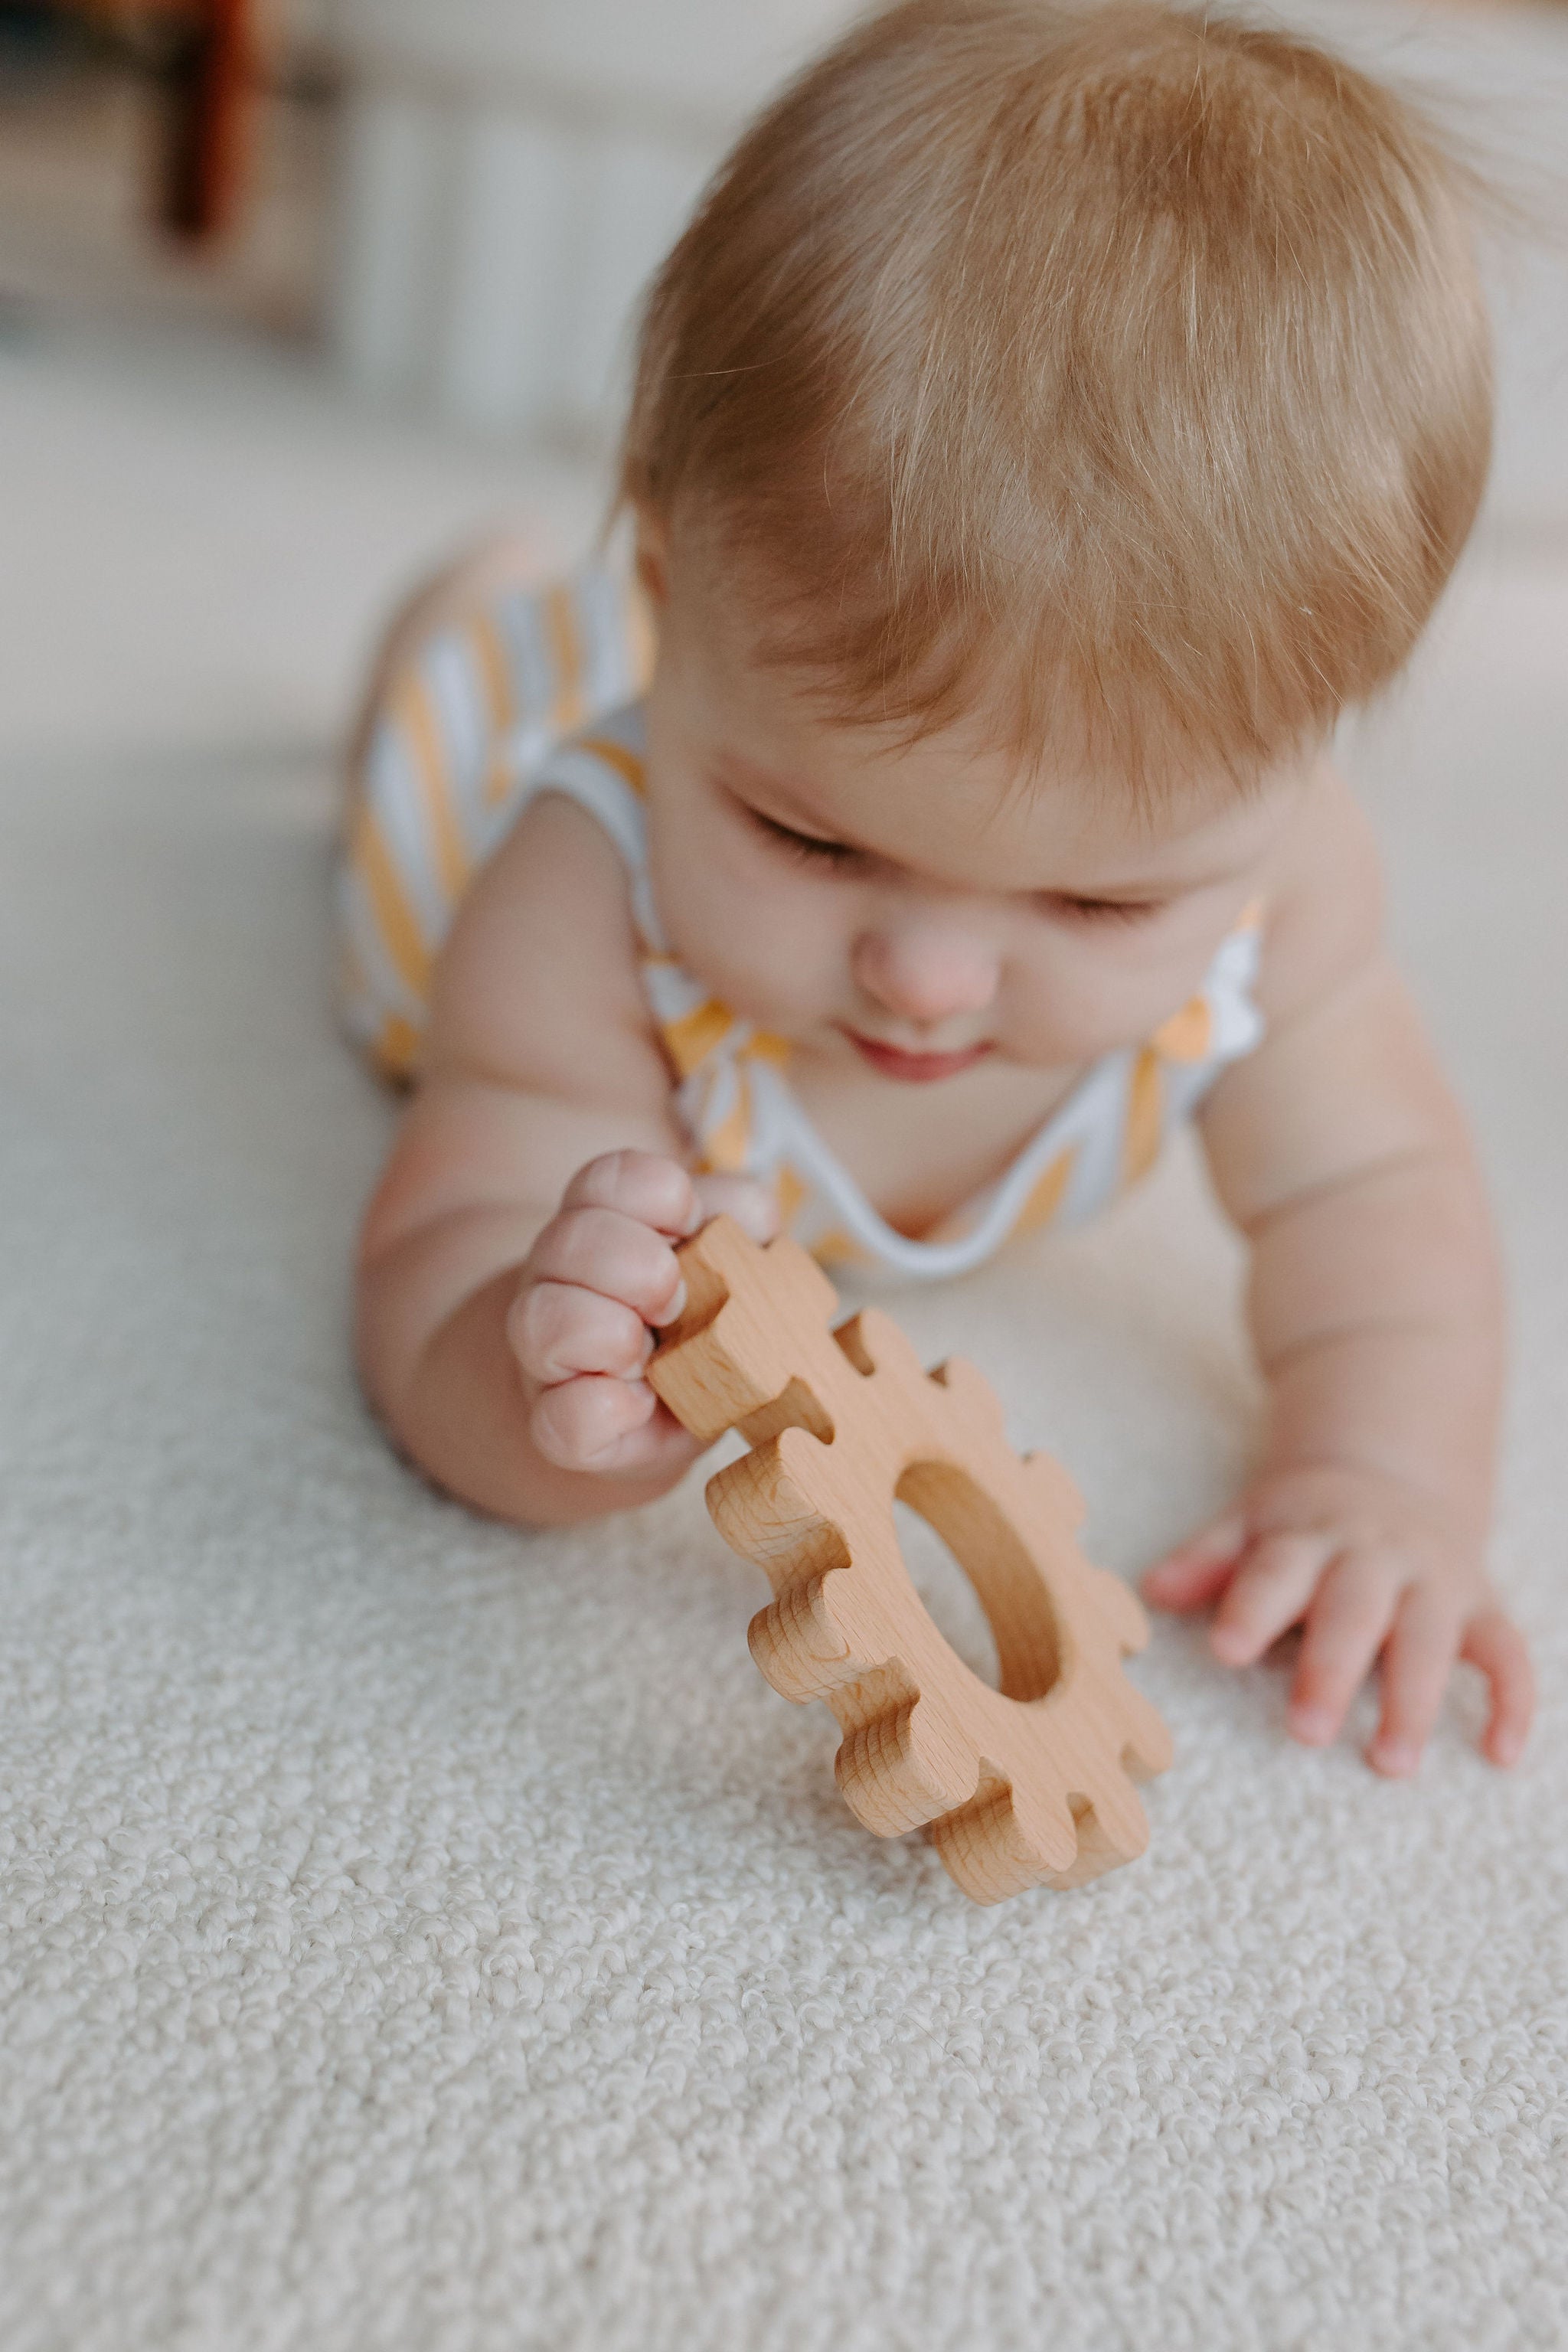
<point>1051,421</point>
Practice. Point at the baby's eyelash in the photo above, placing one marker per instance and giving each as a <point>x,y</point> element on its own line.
<point>807,846</point>
<point>1108,910</point>
<point>812,850</point>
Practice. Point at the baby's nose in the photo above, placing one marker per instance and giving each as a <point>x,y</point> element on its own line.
<point>925,972</point>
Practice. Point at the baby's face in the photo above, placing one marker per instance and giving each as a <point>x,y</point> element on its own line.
<point>919,907</point>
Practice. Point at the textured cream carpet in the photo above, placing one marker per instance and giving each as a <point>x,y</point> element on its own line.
<point>418,1935</point>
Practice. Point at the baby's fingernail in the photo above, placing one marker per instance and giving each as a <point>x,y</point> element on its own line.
<point>1230,1643</point>
<point>1312,1724</point>
<point>1507,1749</point>
<point>1395,1756</point>
<point>677,1307</point>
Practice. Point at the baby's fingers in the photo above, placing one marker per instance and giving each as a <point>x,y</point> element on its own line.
<point>646,1185</point>
<point>745,1198</point>
<point>1270,1590</point>
<point>614,1428</point>
<point>1498,1648</point>
<point>1197,1571</point>
<point>558,1330</point>
<point>1346,1627</point>
<point>1417,1665</point>
<point>619,1257</point>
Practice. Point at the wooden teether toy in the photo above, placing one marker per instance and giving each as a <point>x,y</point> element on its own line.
<point>1026,1785</point>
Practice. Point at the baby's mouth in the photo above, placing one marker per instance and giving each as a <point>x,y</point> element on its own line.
<point>917,1069</point>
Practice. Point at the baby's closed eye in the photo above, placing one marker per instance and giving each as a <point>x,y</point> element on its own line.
<point>1076,908</point>
<point>819,849</point>
<point>811,848</point>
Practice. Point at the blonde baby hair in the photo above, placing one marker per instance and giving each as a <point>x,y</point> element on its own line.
<point>1132,356</point>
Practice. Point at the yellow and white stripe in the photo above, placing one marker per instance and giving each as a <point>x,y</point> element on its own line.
<point>538,692</point>
<point>460,732</point>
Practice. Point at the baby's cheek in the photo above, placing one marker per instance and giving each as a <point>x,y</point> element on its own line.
<point>1064,1008</point>
<point>773,955</point>
<point>782,974</point>
<point>1074,1000</point>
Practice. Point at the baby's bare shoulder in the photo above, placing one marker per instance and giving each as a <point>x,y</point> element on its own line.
<point>1323,920</point>
<point>537,986</point>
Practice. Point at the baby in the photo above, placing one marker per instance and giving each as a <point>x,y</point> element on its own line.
<point>1049,424</point>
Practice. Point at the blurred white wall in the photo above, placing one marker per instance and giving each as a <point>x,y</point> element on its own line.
<point>512,172</point>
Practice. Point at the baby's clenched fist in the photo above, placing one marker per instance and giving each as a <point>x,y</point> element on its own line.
<point>601,1280</point>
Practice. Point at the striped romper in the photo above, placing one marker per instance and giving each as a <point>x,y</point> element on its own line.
<point>538,690</point>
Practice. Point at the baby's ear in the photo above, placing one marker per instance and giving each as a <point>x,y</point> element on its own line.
<point>651,554</point>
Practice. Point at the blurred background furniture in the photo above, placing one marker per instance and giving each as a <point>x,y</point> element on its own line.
<point>163,159</point>
<point>211,87</point>
<point>203,55</point>
<point>511,174</point>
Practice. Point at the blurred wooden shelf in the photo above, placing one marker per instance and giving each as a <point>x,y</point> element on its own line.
<point>210,81</point>
<point>85,198</point>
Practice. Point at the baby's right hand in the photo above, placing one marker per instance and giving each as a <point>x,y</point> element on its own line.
<point>598,1283</point>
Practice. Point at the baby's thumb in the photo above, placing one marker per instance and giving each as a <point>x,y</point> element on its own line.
<point>744,1198</point>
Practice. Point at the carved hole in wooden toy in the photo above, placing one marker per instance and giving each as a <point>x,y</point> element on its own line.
<point>951,1602</point>
<point>1005,1581</point>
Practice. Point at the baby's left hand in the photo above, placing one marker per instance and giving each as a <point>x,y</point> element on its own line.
<point>1369,1568</point>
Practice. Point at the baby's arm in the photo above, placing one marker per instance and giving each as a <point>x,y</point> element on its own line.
<point>519,1244</point>
<point>1375,1307</point>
